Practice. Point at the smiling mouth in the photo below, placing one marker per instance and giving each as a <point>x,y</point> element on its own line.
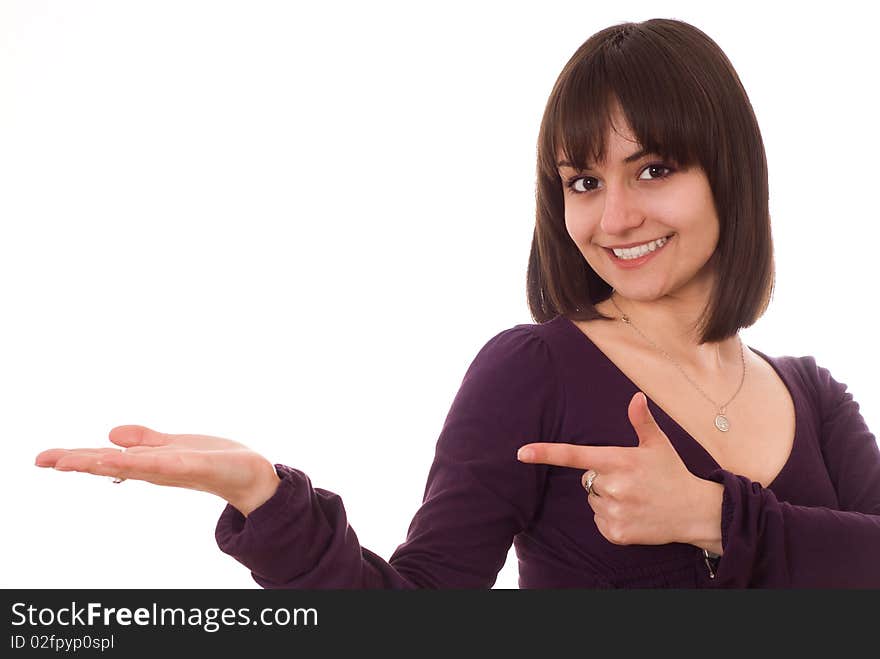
<point>640,254</point>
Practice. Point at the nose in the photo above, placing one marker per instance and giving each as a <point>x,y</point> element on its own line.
<point>620,212</point>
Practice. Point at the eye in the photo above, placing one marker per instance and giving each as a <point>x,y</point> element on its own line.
<point>655,167</point>
<point>576,184</point>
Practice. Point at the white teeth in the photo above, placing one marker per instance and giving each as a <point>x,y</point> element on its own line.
<point>639,250</point>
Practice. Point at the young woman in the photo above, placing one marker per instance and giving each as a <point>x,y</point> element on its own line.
<point>628,438</point>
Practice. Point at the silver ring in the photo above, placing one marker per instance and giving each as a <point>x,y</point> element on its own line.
<point>117,479</point>
<point>589,485</point>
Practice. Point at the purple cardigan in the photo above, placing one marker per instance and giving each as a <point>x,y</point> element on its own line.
<point>817,525</point>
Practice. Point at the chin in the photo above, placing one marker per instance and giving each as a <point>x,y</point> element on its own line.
<point>640,293</point>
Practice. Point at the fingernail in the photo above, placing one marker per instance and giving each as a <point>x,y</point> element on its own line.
<point>63,469</point>
<point>525,454</point>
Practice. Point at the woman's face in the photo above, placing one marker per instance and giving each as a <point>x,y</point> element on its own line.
<point>623,204</point>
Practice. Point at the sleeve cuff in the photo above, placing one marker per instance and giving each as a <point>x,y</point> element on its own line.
<point>725,566</point>
<point>241,536</point>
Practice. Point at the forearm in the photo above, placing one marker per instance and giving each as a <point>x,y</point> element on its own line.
<point>300,538</point>
<point>776,544</point>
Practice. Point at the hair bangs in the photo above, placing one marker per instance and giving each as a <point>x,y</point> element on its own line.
<point>661,102</point>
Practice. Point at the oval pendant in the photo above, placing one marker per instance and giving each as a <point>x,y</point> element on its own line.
<point>722,423</point>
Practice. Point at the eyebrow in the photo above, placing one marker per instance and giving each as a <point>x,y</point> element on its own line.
<point>630,158</point>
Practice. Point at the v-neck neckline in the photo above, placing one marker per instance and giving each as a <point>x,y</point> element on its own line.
<point>675,424</point>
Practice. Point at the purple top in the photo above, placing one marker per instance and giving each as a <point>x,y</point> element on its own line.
<point>817,525</point>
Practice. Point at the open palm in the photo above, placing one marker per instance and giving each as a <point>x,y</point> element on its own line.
<point>219,466</point>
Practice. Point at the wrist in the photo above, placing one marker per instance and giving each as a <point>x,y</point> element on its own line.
<point>263,490</point>
<point>705,532</point>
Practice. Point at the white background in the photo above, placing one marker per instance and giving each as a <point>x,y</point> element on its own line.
<point>295,224</point>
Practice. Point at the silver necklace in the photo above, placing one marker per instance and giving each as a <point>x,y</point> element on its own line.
<point>721,420</point>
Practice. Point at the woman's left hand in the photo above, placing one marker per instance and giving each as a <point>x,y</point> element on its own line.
<point>641,494</point>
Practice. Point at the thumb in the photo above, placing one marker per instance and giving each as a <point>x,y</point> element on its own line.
<point>128,436</point>
<point>643,421</point>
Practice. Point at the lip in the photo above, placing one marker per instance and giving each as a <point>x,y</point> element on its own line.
<point>635,263</point>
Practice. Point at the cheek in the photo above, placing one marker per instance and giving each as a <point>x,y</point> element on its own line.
<point>695,221</point>
<point>698,214</point>
<point>579,225</point>
<point>674,211</point>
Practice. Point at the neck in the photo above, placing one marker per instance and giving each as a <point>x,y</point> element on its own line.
<point>671,323</point>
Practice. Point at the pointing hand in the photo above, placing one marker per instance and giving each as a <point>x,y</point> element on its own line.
<point>642,494</point>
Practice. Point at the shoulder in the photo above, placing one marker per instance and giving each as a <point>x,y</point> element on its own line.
<point>514,380</point>
<point>530,346</point>
<point>523,347</point>
<point>522,361</point>
<point>805,372</point>
<point>809,371</point>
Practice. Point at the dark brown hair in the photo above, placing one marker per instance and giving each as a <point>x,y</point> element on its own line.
<point>684,101</point>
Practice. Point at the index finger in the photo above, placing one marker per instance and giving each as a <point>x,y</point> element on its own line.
<point>49,457</point>
<point>573,455</point>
